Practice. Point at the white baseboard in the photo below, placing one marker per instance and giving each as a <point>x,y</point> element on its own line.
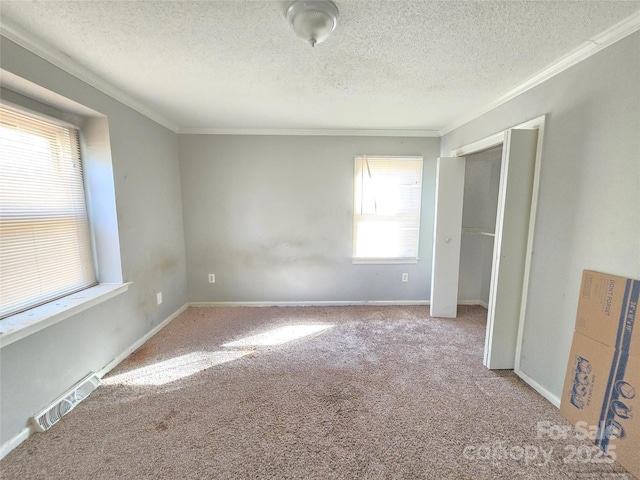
<point>473,302</point>
<point>132,348</point>
<point>311,303</point>
<point>24,434</point>
<point>554,399</point>
<point>14,442</point>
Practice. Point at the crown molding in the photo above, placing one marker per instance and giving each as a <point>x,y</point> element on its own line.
<point>601,41</point>
<point>327,132</point>
<point>57,58</point>
<point>597,43</point>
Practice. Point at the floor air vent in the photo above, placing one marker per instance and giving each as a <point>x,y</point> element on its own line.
<point>48,417</point>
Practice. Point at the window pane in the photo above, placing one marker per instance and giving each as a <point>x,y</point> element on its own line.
<point>45,245</point>
<point>387,198</point>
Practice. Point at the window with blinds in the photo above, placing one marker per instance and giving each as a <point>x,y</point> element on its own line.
<point>45,245</point>
<point>388,192</point>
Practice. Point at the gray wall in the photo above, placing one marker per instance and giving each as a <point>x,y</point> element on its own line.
<point>588,206</point>
<point>272,217</point>
<point>37,369</point>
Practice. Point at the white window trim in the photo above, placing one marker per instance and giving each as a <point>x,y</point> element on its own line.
<point>108,263</point>
<point>23,324</point>
<point>392,261</point>
<point>383,261</point>
<point>64,179</point>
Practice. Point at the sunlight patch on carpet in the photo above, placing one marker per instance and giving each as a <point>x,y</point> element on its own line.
<point>278,336</point>
<point>176,368</point>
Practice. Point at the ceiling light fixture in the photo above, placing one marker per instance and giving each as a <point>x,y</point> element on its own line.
<point>313,20</point>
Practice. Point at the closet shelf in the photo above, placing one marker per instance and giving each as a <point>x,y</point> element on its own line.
<point>477,231</point>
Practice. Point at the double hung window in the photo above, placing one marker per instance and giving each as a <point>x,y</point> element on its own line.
<point>387,199</point>
<point>45,241</point>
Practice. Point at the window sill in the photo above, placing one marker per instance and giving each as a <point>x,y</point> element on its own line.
<point>383,261</point>
<point>23,324</point>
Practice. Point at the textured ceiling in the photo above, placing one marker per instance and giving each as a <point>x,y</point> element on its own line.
<point>389,64</point>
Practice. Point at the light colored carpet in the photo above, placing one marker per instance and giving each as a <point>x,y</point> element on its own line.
<point>385,393</point>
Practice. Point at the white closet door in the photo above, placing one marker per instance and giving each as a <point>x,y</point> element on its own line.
<point>510,247</point>
<point>446,236</point>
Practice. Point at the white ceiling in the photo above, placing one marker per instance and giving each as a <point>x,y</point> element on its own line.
<point>399,65</point>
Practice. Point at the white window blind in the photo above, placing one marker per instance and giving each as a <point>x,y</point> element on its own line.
<point>388,193</point>
<point>45,245</point>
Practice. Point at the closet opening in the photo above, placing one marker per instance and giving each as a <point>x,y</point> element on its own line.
<point>479,212</point>
<point>486,196</point>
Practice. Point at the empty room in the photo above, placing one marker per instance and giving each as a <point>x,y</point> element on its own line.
<point>319,239</point>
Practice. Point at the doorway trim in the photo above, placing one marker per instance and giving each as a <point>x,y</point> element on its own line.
<point>494,140</point>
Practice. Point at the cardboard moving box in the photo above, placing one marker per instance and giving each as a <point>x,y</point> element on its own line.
<point>601,391</point>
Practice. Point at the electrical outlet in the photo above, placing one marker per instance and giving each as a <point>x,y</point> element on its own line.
<point>212,278</point>
<point>159,297</point>
<point>405,277</point>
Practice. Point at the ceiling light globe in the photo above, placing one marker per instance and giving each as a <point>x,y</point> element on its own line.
<point>313,20</point>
